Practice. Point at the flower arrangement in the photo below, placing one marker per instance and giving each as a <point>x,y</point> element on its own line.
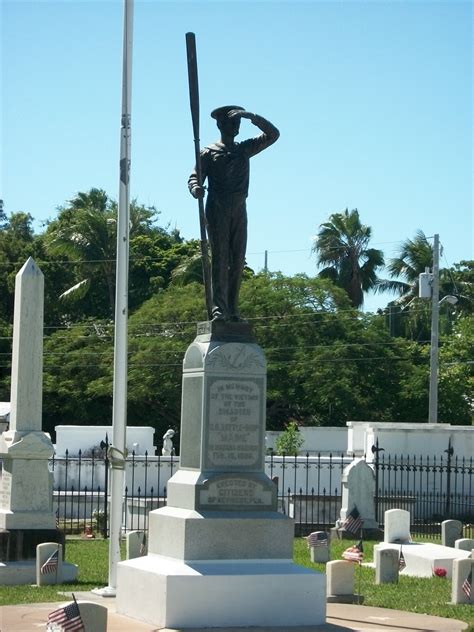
<point>440,572</point>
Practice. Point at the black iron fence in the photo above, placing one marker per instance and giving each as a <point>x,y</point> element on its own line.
<point>309,489</point>
<point>432,489</point>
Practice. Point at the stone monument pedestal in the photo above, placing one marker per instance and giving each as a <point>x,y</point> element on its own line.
<point>219,553</point>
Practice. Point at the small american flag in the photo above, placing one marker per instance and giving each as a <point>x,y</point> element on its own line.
<point>51,564</point>
<point>401,561</point>
<point>353,522</point>
<point>317,538</point>
<point>68,617</point>
<point>467,585</point>
<point>354,553</point>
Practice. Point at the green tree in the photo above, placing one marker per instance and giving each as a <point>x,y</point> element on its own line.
<point>342,246</point>
<point>413,257</point>
<point>17,243</point>
<point>84,233</point>
<point>290,441</point>
<point>409,315</point>
<point>77,360</point>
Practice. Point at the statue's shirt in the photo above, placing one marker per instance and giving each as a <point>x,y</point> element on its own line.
<point>227,168</point>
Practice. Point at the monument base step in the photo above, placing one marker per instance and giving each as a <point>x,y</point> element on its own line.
<point>422,559</point>
<point>16,573</point>
<point>169,593</point>
<point>219,535</point>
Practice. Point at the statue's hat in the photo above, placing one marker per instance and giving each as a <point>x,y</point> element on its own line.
<point>224,110</point>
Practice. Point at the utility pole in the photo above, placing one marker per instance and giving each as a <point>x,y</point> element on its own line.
<point>265,264</point>
<point>433,397</point>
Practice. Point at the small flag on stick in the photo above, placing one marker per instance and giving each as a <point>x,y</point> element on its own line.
<point>467,585</point>
<point>353,522</point>
<point>401,561</point>
<point>68,617</point>
<point>317,538</point>
<point>354,553</point>
<point>51,564</point>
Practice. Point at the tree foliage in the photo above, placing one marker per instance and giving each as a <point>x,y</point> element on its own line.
<point>327,363</point>
<point>290,441</point>
<point>342,245</point>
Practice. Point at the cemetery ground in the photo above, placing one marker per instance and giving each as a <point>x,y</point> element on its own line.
<point>420,595</point>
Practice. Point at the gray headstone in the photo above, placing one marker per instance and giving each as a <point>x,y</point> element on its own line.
<point>93,615</point>
<point>386,565</point>
<point>397,526</point>
<point>358,490</point>
<point>465,544</point>
<point>451,530</point>
<point>49,562</point>
<point>461,570</point>
<point>135,544</point>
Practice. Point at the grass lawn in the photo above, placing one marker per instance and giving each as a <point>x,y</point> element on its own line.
<point>430,595</point>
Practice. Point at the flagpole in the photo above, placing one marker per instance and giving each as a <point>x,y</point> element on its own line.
<point>57,566</point>
<point>360,563</point>
<point>117,451</point>
<point>360,583</point>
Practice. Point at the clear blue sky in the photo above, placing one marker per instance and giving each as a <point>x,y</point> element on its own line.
<point>373,101</point>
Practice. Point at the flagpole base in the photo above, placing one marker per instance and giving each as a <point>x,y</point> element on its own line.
<point>107,591</point>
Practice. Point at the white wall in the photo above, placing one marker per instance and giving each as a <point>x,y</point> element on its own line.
<point>413,439</point>
<point>317,440</point>
<point>75,438</point>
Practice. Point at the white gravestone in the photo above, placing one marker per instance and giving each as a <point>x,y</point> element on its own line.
<point>49,564</point>
<point>340,581</point>
<point>358,490</point>
<point>386,565</point>
<point>461,571</point>
<point>397,526</point>
<point>465,544</point>
<point>318,543</point>
<point>451,530</point>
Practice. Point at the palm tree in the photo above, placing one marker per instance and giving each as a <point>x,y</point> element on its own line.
<point>86,231</point>
<point>413,257</point>
<point>342,246</point>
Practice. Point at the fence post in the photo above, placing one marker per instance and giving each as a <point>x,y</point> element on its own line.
<point>375,451</point>
<point>450,452</point>
<point>105,445</point>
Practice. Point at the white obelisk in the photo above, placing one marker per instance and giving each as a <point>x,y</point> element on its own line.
<point>26,499</point>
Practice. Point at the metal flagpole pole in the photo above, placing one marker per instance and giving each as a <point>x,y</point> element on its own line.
<point>117,450</point>
<point>433,393</point>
